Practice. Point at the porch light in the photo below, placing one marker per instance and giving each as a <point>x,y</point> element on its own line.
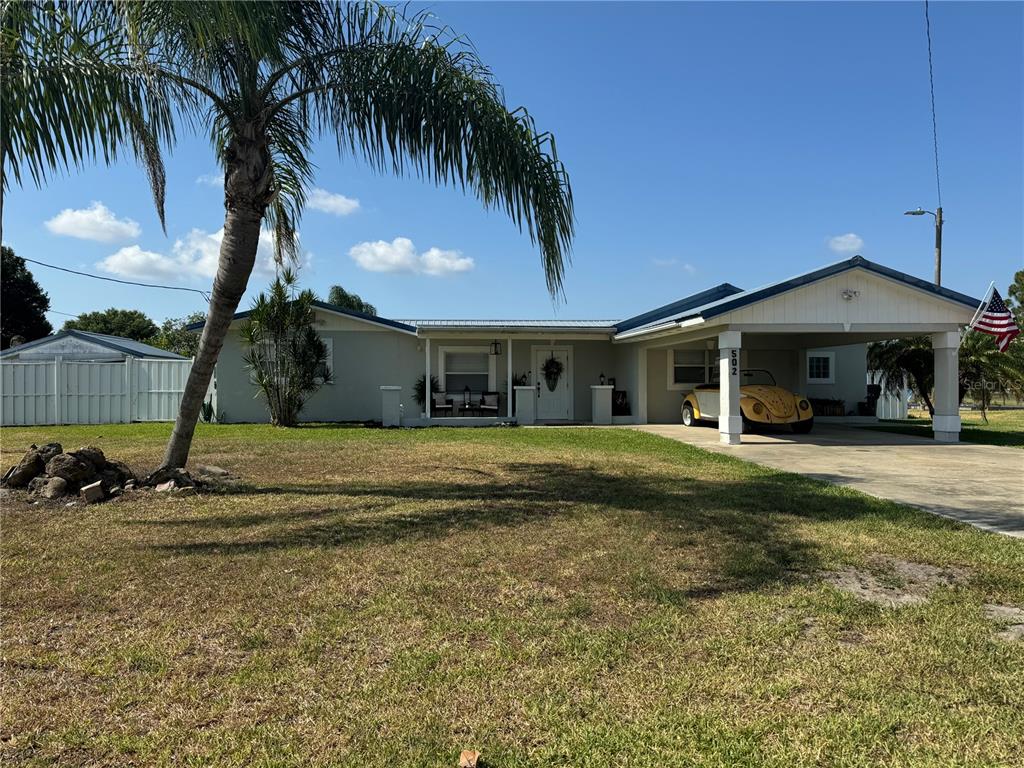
<point>601,379</point>
<point>495,347</point>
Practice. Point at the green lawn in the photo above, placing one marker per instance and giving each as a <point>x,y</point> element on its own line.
<point>1002,428</point>
<point>585,597</point>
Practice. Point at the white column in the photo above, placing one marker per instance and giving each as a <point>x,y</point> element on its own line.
<point>508,389</point>
<point>946,423</point>
<point>730,422</point>
<point>430,394</point>
<point>641,386</point>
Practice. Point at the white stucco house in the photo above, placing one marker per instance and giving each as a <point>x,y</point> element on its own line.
<point>810,331</point>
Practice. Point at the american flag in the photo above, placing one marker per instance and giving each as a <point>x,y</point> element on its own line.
<point>997,320</point>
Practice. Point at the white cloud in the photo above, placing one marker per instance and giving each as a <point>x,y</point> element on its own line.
<point>97,222</point>
<point>329,202</point>
<point>848,243</point>
<point>400,256</point>
<point>674,262</point>
<point>211,179</point>
<point>194,256</point>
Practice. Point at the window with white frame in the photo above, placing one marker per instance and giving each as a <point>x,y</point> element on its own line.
<point>821,367</point>
<point>463,367</point>
<point>689,367</point>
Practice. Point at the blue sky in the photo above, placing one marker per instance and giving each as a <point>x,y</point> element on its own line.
<point>706,142</point>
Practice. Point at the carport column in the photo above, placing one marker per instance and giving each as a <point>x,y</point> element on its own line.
<point>946,422</point>
<point>730,423</point>
<point>426,381</point>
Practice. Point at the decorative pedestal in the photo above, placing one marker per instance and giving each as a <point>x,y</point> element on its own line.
<point>601,403</point>
<point>526,404</point>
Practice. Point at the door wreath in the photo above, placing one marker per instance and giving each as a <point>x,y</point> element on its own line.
<point>552,370</point>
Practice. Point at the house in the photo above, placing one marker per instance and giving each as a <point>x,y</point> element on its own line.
<point>84,346</point>
<point>810,331</point>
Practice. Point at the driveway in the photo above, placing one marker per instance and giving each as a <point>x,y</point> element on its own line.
<point>978,484</point>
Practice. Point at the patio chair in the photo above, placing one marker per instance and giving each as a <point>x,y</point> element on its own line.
<point>489,404</point>
<point>441,404</point>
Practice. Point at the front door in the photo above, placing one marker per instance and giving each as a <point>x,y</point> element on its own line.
<point>554,393</point>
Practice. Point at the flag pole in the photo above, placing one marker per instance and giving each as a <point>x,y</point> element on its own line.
<point>977,312</point>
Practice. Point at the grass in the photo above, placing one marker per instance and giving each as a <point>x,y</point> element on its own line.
<point>1003,427</point>
<point>585,597</point>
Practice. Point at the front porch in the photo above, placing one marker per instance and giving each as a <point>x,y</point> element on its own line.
<point>522,374</point>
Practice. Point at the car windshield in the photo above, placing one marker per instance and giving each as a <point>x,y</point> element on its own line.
<point>757,377</point>
<point>751,377</point>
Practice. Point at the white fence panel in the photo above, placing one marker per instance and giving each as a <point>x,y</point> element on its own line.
<point>77,392</point>
<point>890,405</point>
<point>159,385</point>
<point>26,391</point>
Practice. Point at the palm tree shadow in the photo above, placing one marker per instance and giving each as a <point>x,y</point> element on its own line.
<point>752,521</point>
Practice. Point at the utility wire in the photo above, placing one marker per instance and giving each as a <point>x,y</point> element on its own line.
<point>205,295</point>
<point>931,84</point>
<point>55,312</point>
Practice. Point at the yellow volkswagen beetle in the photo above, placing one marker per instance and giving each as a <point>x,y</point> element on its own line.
<point>762,401</point>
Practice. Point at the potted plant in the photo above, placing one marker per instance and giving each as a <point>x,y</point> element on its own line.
<point>552,370</point>
<point>419,390</point>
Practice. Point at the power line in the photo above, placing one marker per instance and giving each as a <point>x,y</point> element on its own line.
<point>205,295</point>
<point>931,84</point>
<point>55,312</point>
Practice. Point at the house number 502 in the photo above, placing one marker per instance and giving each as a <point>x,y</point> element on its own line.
<point>734,363</point>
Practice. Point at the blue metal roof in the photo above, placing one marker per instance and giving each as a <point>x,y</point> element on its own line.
<point>114,343</point>
<point>676,307</point>
<point>399,326</point>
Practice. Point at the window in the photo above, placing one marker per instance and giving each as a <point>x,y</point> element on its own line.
<point>466,367</point>
<point>821,367</point>
<point>689,367</point>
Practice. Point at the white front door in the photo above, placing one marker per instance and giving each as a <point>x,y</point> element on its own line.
<point>554,399</point>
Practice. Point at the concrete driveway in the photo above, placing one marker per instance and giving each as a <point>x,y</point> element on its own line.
<point>978,484</point>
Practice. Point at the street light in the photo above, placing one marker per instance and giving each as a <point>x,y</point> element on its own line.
<point>937,213</point>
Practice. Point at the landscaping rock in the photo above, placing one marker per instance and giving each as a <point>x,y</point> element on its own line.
<point>92,493</point>
<point>54,488</point>
<point>91,455</point>
<point>75,471</point>
<point>469,758</point>
<point>49,450</point>
<point>165,486</point>
<point>213,471</point>
<point>116,473</point>
<point>180,477</point>
<point>26,470</point>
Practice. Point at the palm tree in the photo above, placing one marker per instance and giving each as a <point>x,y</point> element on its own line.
<point>267,78</point>
<point>64,102</point>
<point>984,370</point>
<point>900,360</point>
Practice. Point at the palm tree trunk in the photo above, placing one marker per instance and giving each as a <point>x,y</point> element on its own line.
<point>237,257</point>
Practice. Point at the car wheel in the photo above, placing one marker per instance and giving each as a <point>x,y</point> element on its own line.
<point>803,427</point>
<point>688,418</point>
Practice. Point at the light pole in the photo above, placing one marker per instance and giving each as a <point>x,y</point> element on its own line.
<point>937,213</point>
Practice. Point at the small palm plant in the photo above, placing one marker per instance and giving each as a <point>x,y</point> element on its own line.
<point>287,358</point>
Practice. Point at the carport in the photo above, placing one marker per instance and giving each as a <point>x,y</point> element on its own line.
<point>838,307</point>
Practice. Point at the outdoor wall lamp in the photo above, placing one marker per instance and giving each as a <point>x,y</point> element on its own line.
<point>495,347</point>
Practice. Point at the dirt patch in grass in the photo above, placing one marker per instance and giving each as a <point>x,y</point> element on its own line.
<point>893,582</point>
<point>1009,619</point>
